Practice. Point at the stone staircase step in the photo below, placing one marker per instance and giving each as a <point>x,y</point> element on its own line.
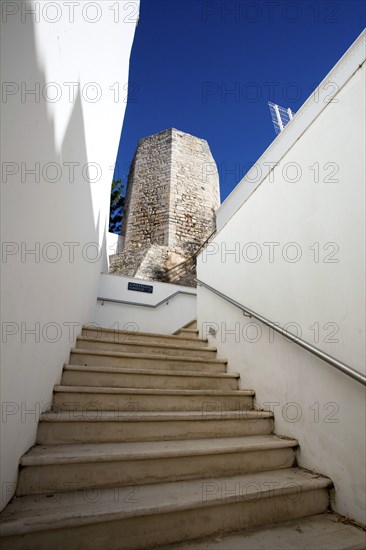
<point>326,531</point>
<point>191,325</point>
<point>187,333</point>
<point>79,375</point>
<point>83,398</point>
<point>145,516</point>
<point>57,468</point>
<point>107,427</point>
<point>145,361</point>
<point>187,338</point>
<point>143,347</point>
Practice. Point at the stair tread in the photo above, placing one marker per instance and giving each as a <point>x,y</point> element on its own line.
<point>84,351</point>
<point>190,323</point>
<point>149,391</point>
<point>150,372</point>
<point>35,513</point>
<point>151,416</point>
<point>150,334</point>
<point>146,343</point>
<point>323,531</point>
<point>108,452</point>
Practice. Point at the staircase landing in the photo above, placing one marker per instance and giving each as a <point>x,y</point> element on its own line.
<point>323,531</point>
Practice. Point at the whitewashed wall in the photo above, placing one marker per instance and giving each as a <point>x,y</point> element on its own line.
<point>299,260</point>
<point>67,132</point>
<point>166,318</point>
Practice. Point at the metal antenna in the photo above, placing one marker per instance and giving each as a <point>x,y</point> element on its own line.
<point>280,116</point>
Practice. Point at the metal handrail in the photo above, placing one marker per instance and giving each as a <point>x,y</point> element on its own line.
<point>165,300</point>
<point>346,369</point>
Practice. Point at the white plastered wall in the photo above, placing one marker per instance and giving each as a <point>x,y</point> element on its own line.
<point>319,297</point>
<point>73,118</point>
<point>179,306</point>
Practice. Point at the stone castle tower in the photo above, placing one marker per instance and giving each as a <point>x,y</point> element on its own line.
<point>172,194</point>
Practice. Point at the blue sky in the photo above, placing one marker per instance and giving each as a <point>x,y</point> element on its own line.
<point>209,68</point>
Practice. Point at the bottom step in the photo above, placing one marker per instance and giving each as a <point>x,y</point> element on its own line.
<point>148,515</point>
<point>326,531</point>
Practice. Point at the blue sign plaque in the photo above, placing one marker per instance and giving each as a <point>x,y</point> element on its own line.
<point>140,288</point>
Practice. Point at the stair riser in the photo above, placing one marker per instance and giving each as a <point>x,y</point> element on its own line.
<point>184,339</point>
<point>150,531</point>
<point>52,433</point>
<point>147,349</point>
<point>142,363</point>
<point>76,477</point>
<point>184,334</point>
<point>122,380</point>
<point>64,401</point>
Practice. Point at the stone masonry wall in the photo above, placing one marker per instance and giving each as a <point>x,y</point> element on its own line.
<point>194,192</point>
<point>172,195</point>
<point>147,201</point>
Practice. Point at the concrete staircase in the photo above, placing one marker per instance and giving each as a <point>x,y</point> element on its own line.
<point>150,442</point>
